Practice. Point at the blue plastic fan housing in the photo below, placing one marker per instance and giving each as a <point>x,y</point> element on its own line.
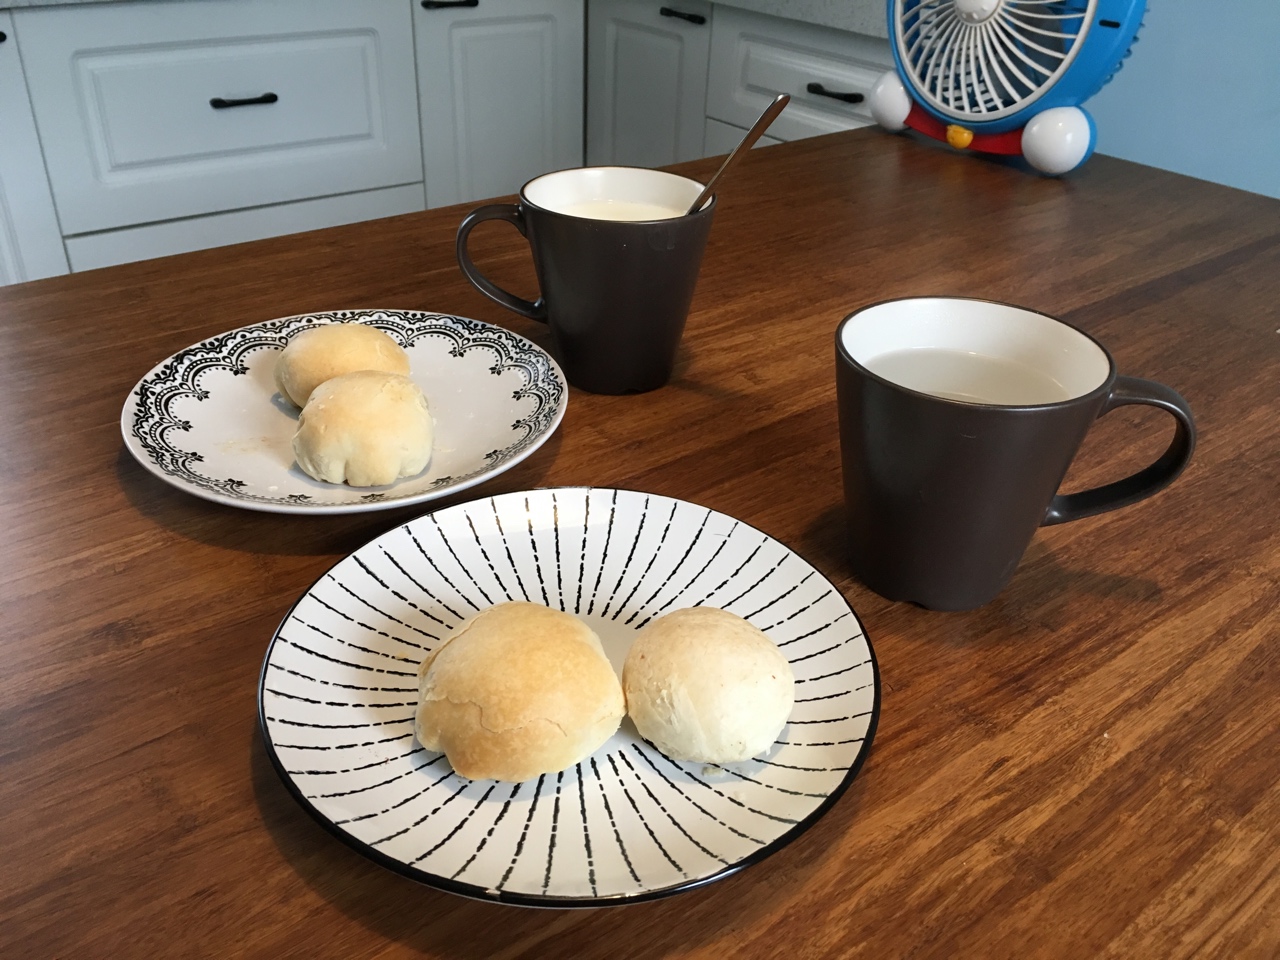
<point>1100,47</point>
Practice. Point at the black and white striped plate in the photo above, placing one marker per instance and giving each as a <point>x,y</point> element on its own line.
<point>338,694</point>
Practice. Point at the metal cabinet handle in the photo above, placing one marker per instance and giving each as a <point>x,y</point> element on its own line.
<point>681,15</point>
<point>822,91</point>
<point>441,4</point>
<point>218,103</point>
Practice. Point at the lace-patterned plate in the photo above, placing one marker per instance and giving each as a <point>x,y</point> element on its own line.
<point>209,420</point>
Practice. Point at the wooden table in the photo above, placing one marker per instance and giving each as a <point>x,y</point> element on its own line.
<point>1087,767</point>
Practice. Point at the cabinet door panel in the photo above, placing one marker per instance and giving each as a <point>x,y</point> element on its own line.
<point>646,95</point>
<point>501,95</point>
<point>30,241</point>
<point>646,82</point>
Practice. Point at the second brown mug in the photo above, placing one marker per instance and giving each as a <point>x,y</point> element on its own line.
<point>617,259</point>
<point>958,421</point>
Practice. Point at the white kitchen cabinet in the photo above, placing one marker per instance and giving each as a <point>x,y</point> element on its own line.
<point>500,91</point>
<point>131,130</point>
<point>647,80</point>
<point>755,57</point>
<point>30,240</point>
<point>662,88</point>
<point>176,126</point>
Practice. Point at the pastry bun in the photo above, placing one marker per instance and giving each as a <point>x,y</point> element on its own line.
<point>321,353</point>
<point>703,684</point>
<point>365,428</point>
<point>516,691</point>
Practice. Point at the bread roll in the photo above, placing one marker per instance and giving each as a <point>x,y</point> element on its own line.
<point>704,684</point>
<point>321,353</point>
<point>516,691</point>
<point>365,428</point>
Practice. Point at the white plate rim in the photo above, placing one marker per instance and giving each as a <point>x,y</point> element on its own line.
<point>513,898</point>
<point>131,413</point>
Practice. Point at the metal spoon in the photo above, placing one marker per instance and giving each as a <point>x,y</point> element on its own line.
<point>760,126</point>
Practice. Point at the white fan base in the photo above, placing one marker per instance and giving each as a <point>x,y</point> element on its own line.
<point>889,102</point>
<point>1057,140</point>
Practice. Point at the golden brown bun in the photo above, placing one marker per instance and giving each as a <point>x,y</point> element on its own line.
<point>321,353</point>
<point>365,428</point>
<point>704,684</point>
<point>516,691</point>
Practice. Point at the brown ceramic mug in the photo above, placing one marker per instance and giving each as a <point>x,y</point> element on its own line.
<point>958,421</point>
<point>617,260</point>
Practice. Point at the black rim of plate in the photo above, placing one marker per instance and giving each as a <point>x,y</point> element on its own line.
<point>476,892</point>
<point>147,420</point>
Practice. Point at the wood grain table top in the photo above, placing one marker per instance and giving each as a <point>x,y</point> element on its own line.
<point>1089,766</point>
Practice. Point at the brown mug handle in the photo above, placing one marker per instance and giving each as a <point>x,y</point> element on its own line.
<point>1121,493</point>
<point>512,214</point>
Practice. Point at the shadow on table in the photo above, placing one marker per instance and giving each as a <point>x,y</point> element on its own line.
<point>1045,587</point>
<point>276,534</point>
<point>1043,578</point>
<point>441,924</point>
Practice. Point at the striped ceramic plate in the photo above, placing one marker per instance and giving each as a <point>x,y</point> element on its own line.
<point>338,693</point>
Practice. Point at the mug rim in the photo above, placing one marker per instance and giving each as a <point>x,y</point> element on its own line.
<point>1102,388</point>
<point>523,195</point>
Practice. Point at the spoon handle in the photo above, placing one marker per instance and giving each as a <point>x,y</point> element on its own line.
<point>760,126</point>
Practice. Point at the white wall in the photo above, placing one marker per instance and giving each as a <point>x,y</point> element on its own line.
<point>1201,93</point>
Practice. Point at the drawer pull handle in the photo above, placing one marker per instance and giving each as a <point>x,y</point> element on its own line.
<point>441,4</point>
<point>220,104</point>
<point>697,18</point>
<point>822,91</point>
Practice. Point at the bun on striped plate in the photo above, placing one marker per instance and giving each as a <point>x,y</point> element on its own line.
<point>516,691</point>
<point>703,684</point>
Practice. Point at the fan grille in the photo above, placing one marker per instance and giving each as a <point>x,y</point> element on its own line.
<point>973,60</point>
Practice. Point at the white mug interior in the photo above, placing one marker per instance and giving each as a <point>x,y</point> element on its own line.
<point>569,191</point>
<point>1065,363</point>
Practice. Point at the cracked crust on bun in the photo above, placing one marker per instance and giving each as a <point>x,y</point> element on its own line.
<point>516,691</point>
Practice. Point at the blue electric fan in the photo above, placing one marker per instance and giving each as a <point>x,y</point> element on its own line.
<point>1004,76</point>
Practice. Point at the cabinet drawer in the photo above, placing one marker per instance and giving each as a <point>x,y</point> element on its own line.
<point>239,226</point>
<point>143,114</point>
<point>755,57</point>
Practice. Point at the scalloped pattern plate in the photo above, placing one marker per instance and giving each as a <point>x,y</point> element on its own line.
<point>209,420</point>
